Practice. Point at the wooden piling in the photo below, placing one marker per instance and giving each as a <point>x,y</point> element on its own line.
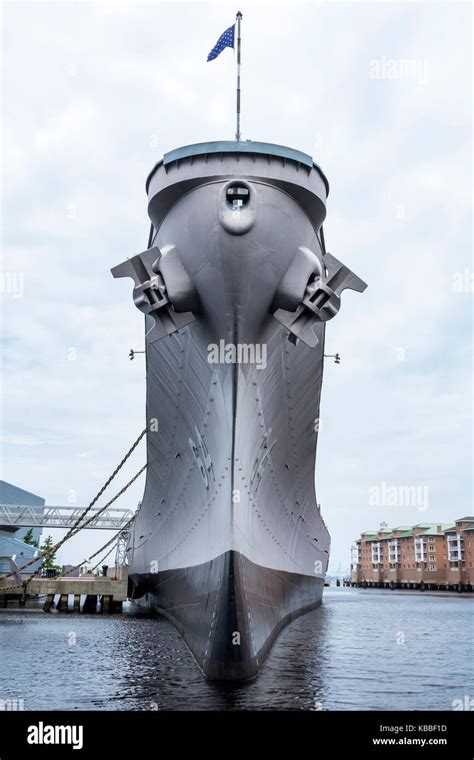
<point>90,603</point>
<point>62,605</point>
<point>49,603</point>
<point>105,603</point>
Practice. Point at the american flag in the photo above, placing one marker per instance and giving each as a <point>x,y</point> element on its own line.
<point>225,40</point>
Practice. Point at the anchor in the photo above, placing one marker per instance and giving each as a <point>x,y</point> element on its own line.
<point>321,300</point>
<point>163,289</point>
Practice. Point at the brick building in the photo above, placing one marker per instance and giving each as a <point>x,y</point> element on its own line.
<point>427,555</point>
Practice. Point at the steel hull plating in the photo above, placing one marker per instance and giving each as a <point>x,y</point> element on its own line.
<point>229,541</point>
<point>230,610</point>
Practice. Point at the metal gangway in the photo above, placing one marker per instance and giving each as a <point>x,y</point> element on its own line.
<point>35,516</point>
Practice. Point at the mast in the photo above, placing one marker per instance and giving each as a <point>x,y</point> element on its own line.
<point>237,131</point>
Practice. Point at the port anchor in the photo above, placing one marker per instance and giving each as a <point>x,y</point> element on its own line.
<point>321,301</point>
<point>163,290</point>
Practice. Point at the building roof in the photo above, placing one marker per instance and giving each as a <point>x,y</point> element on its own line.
<point>433,530</point>
<point>381,536</point>
<point>10,494</point>
<point>10,545</point>
<point>13,547</point>
<point>422,529</point>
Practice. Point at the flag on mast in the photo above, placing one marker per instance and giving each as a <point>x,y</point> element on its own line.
<point>225,40</point>
<point>228,39</point>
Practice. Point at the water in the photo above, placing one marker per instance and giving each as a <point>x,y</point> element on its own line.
<point>361,650</point>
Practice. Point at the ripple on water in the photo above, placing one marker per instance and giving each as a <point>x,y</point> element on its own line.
<point>361,650</point>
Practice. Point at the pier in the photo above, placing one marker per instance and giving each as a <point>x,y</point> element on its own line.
<point>87,593</point>
<point>411,585</point>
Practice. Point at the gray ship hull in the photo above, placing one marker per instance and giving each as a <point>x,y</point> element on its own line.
<point>212,602</point>
<point>229,542</point>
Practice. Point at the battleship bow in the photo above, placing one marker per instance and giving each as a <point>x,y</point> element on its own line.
<point>229,542</point>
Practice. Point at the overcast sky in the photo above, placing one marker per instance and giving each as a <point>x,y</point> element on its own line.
<point>379,94</point>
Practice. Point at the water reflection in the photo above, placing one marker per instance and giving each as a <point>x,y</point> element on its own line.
<point>361,650</point>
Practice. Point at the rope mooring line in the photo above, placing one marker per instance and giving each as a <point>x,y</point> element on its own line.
<point>91,519</point>
<point>77,525</point>
<point>107,482</point>
<point>88,559</point>
<point>25,583</point>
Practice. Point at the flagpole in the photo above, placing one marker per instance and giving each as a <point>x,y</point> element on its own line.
<point>238,20</point>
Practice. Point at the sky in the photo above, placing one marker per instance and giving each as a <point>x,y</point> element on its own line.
<point>380,94</point>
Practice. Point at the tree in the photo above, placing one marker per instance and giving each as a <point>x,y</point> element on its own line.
<point>49,555</point>
<point>28,538</point>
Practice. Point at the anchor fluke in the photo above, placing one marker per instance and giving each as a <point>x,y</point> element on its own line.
<point>163,289</point>
<point>321,300</point>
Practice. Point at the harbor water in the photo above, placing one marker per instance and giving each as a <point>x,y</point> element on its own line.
<point>361,650</point>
